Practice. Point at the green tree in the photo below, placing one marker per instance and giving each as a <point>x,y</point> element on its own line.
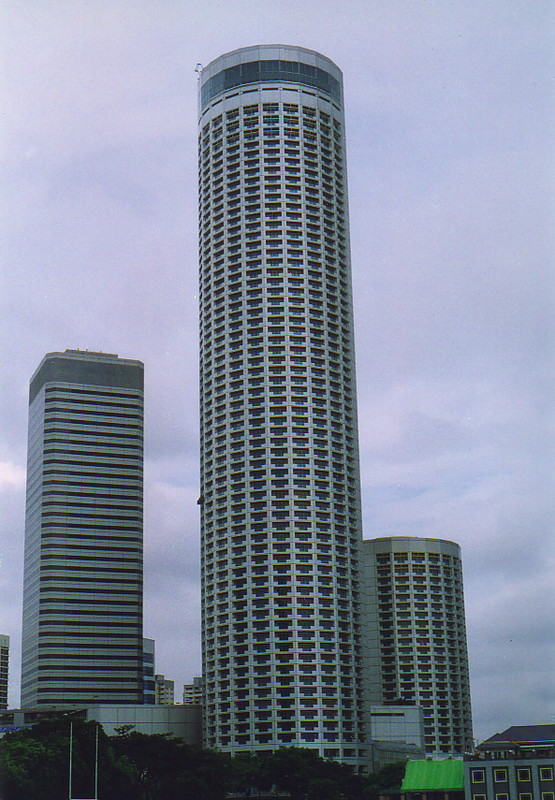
<point>34,763</point>
<point>165,768</point>
<point>291,769</point>
<point>388,777</point>
<point>135,766</point>
<point>246,773</point>
<point>304,774</point>
<point>335,781</point>
<point>22,760</point>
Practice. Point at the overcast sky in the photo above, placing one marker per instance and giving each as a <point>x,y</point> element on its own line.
<point>449,109</point>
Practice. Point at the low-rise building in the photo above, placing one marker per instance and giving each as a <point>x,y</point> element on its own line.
<point>517,764</point>
<point>381,754</point>
<point>396,734</point>
<point>403,724</point>
<point>183,722</point>
<point>433,780</point>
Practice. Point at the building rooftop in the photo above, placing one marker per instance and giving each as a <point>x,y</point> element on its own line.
<point>520,735</point>
<point>429,776</point>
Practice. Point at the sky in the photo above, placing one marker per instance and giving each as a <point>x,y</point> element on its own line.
<point>449,107</point>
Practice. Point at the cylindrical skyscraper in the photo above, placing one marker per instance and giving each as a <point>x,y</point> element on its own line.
<point>280,474</point>
<point>415,649</point>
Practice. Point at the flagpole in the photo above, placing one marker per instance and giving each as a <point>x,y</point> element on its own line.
<point>95,765</point>
<point>70,755</point>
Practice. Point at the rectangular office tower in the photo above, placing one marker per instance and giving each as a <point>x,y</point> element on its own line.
<point>281,524</point>
<point>83,571</point>
<point>4,669</point>
<point>415,649</point>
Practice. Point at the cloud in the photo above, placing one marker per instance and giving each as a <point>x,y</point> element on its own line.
<point>450,165</point>
<point>513,644</point>
<point>12,476</point>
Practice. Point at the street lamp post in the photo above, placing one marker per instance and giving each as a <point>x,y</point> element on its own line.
<point>70,772</point>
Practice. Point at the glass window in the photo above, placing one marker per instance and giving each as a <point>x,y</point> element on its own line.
<point>269,70</point>
<point>477,775</point>
<point>499,775</point>
<point>546,773</point>
<point>523,774</point>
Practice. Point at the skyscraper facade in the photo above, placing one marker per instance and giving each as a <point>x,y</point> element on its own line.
<point>82,596</point>
<point>280,491</point>
<point>192,692</point>
<point>415,649</point>
<point>4,669</point>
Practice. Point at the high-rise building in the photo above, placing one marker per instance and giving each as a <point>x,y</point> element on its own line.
<point>192,692</point>
<point>164,689</point>
<point>281,524</point>
<point>4,669</point>
<point>83,573</point>
<point>415,649</point>
<point>149,670</point>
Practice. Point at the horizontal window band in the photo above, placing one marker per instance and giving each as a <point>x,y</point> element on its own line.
<point>136,528</point>
<point>72,391</point>
<point>77,628</point>
<point>62,488</point>
<point>57,561</point>
<point>114,572</point>
<point>91,539</point>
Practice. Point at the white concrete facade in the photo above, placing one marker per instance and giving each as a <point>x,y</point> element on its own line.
<point>164,690</point>
<point>404,724</point>
<point>414,635</point>
<point>192,692</point>
<point>280,494</point>
<point>183,722</point>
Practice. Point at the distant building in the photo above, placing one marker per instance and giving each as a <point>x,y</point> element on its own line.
<point>164,690</point>
<point>192,692</point>
<point>414,636</point>
<point>83,567</point>
<point>4,669</point>
<point>149,655</point>
<point>517,764</point>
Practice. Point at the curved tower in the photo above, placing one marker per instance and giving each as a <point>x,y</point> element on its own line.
<point>415,642</point>
<point>280,502</point>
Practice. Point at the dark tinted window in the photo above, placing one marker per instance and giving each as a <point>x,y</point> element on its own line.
<point>274,71</point>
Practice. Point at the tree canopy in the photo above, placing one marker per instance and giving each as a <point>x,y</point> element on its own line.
<point>34,765</point>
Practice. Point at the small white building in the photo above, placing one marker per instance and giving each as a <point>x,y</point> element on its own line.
<point>183,722</point>
<point>403,724</point>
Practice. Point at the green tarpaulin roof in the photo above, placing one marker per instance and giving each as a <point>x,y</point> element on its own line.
<point>422,776</point>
